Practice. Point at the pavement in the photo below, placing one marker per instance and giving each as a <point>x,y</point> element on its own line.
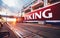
<point>6,29</point>
<point>30,30</point>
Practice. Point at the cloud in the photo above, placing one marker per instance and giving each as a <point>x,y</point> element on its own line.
<point>10,2</point>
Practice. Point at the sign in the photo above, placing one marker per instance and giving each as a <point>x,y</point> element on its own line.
<point>51,12</point>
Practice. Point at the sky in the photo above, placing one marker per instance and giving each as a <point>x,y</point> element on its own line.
<point>14,5</point>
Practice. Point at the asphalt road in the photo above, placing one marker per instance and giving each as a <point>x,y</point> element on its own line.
<point>30,30</point>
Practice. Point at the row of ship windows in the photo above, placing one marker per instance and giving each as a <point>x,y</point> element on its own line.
<point>40,5</point>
